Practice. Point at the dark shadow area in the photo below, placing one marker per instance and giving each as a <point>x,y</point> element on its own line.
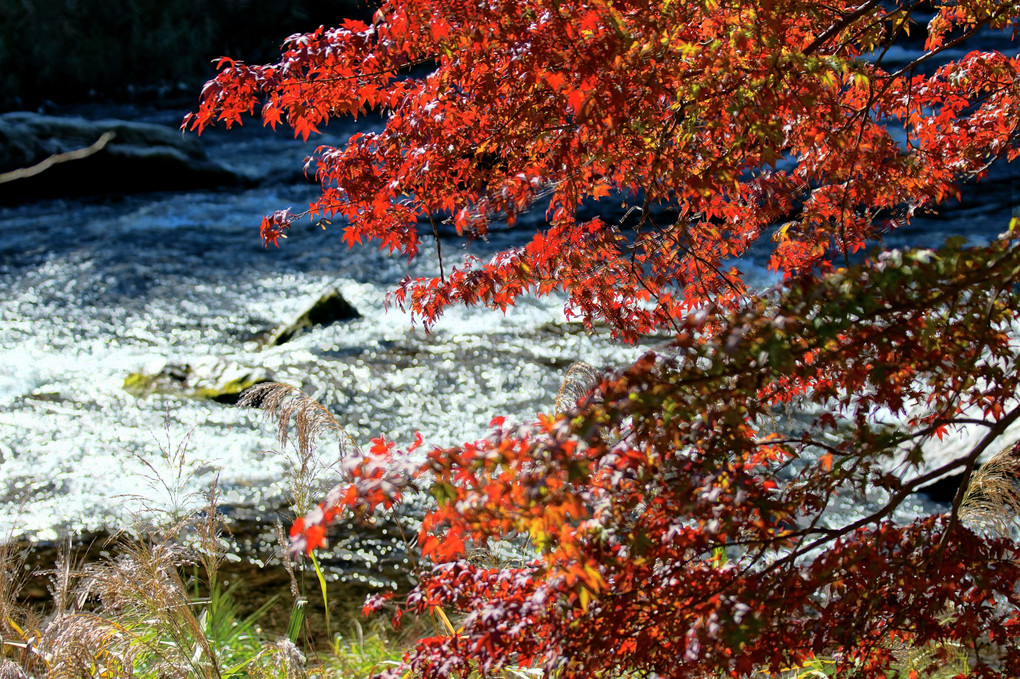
<point>58,52</point>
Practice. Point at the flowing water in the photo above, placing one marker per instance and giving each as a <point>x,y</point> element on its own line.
<point>94,289</point>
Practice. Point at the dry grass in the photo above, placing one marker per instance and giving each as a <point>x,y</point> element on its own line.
<point>302,420</point>
<point>992,501</point>
<point>18,624</point>
<point>579,383</point>
<point>135,615</point>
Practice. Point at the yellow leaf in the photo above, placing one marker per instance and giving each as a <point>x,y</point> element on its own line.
<point>594,578</point>
<point>585,598</point>
<point>441,614</point>
<point>781,234</point>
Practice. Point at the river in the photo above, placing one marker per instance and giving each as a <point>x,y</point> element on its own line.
<point>98,288</point>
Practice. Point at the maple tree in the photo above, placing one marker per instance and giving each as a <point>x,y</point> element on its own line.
<point>674,527</point>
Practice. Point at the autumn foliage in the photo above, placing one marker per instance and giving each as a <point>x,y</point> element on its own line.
<point>675,518</point>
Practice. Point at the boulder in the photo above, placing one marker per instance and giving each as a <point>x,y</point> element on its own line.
<point>137,157</point>
<point>210,378</point>
<point>330,308</point>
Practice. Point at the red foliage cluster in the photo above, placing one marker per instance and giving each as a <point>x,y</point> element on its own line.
<point>667,516</point>
<point>740,115</point>
<point>670,527</point>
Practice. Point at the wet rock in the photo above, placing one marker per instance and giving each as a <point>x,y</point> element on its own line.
<point>138,157</point>
<point>47,396</point>
<point>562,328</point>
<point>330,308</point>
<point>944,489</point>
<point>211,378</point>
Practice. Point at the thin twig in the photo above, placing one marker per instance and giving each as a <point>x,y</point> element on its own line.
<point>38,168</point>
<point>439,247</point>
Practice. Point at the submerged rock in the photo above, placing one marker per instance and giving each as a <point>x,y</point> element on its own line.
<point>330,308</point>
<point>136,157</point>
<point>211,378</point>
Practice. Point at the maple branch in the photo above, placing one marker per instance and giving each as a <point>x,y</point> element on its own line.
<point>78,154</point>
<point>840,25</point>
<point>952,43</point>
<point>896,31</point>
<point>396,68</point>
<point>686,104</point>
<point>667,234</point>
<point>827,535</point>
<point>830,534</point>
<point>1000,426</point>
<point>439,247</point>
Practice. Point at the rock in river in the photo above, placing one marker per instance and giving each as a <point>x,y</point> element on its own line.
<point>210,378</point>
<point>328,309</point>
<point>62,157</point>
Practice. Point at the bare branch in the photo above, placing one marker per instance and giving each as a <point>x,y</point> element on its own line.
<point>39,168</point>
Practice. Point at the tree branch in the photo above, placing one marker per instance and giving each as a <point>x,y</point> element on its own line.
<point>840,25</point>
<point>26,172</point>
